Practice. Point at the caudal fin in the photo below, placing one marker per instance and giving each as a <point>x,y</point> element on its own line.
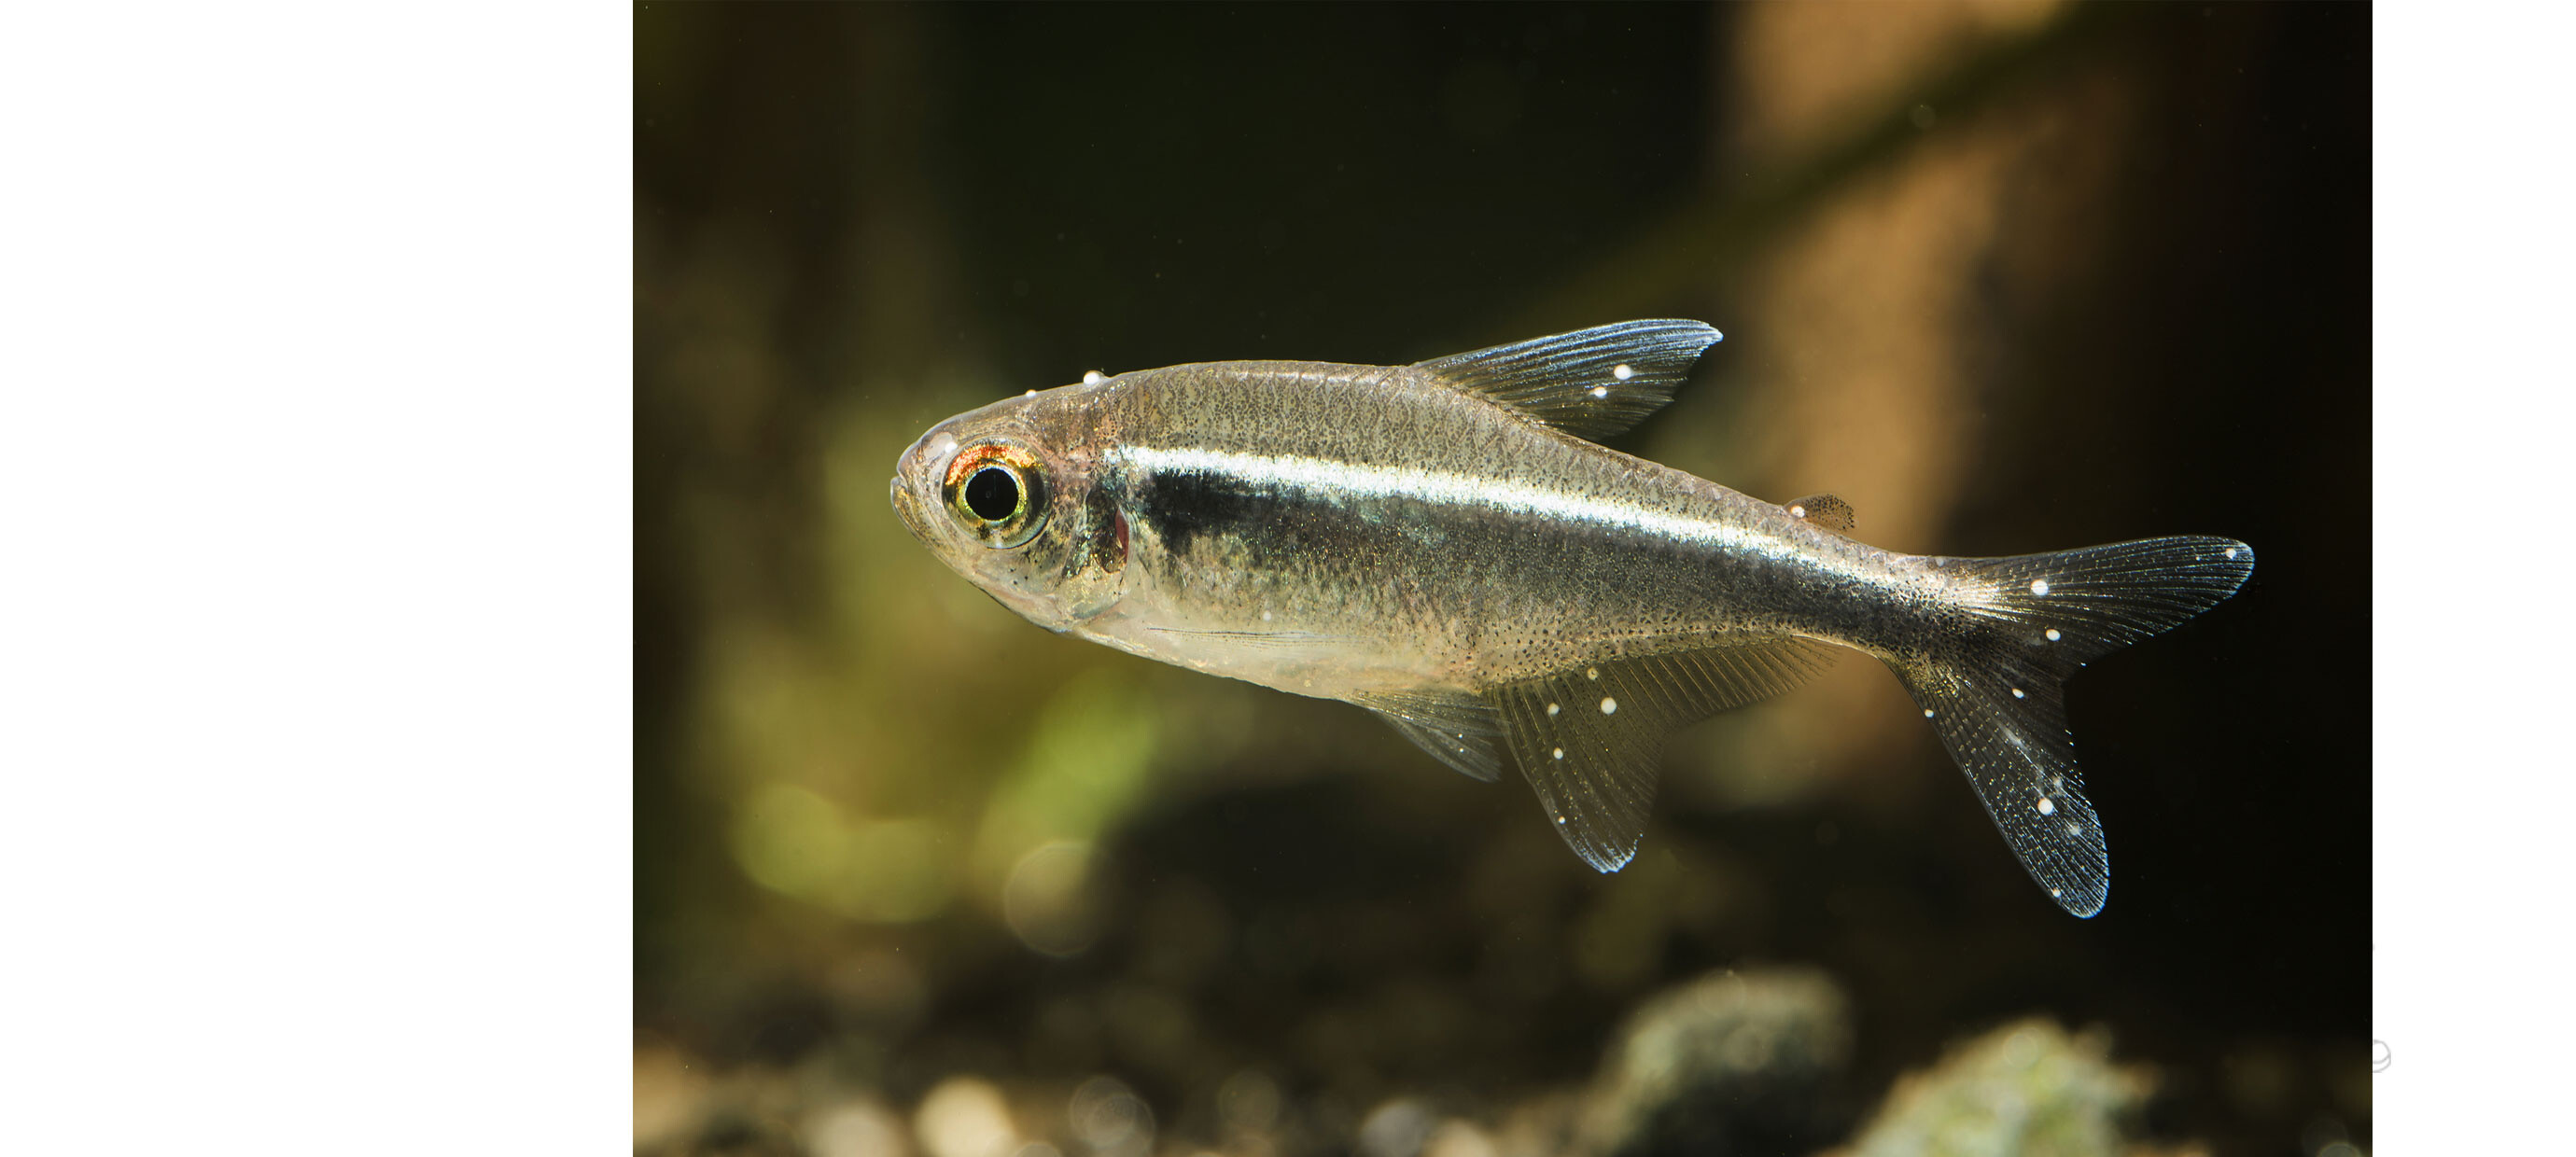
<point>1992,684</point>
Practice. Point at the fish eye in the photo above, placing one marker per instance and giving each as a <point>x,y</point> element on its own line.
<point>997,491</point>
<point>993,494</point>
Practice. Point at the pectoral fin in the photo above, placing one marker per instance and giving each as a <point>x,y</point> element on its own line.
<point>1458,728</point>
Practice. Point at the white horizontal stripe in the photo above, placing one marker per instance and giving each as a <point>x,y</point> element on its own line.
<point>1343,479</point>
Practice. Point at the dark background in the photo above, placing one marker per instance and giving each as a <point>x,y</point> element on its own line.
<point>2130,244</point>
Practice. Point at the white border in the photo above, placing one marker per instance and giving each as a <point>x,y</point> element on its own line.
<point>315,577</point>
<point>2473,218</point>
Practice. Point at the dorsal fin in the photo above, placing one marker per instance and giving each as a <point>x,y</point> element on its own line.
<point>1591,383</point>
<point>1825,510</point>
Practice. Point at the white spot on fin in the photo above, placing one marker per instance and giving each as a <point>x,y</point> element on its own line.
<point>2229,552</point>
<point>1093,377</point>
<point>2047,806</point>
<point>1622,371</point>
<point>1927,713</point>
<point>1560,754</point>
<point>1609,706</point>
<point>1797,512</point>
<point>1552,710</point>
<point>2053,636</point>
<point>1600,391</point>
<point>1593,673</point>
<point>2039,586</point>
<point>2017,693</point>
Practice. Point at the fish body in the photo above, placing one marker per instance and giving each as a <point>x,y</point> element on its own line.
<point>1444,543</point>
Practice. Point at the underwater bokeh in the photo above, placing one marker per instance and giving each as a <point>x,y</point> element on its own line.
<point>916,877</point>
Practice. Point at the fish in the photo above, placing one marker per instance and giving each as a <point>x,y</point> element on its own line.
<point>1449,545</point>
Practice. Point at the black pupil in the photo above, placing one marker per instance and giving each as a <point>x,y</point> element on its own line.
<point>993,494</point>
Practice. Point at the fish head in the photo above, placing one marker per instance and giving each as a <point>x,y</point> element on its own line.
<point>1009,496</point>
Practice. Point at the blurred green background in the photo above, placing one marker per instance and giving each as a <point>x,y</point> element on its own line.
<point>914,876</point>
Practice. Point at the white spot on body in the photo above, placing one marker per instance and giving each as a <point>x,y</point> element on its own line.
<point>2047,806</point>
<point>2053,636</point>
<point>2018,695</point>
<point>1093,377</point>
<point>2039,586</point>
<point>1560,753</point>
<point>1622,372</point>
<point>1600,391</point>
<point>1551,710</point>
<point>1609,706</point>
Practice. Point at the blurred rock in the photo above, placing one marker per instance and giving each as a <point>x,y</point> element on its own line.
<point>2026,1088</point>
<point>1455,1138</point>
<point>1110,1119</point>
<point>856,1128</point>
<point>1736,1062</point>
<point>669,1093</point>
<point>965,1117</point>
<point>1397,1128</point>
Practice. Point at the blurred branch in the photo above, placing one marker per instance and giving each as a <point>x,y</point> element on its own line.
<point>1714,233</point>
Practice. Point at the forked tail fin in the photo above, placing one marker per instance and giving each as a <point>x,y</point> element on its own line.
<point>1992,684</point>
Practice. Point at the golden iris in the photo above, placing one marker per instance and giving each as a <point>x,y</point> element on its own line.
<point>998,492</point>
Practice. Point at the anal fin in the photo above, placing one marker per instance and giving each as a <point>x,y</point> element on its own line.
<point>1590,739</point>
